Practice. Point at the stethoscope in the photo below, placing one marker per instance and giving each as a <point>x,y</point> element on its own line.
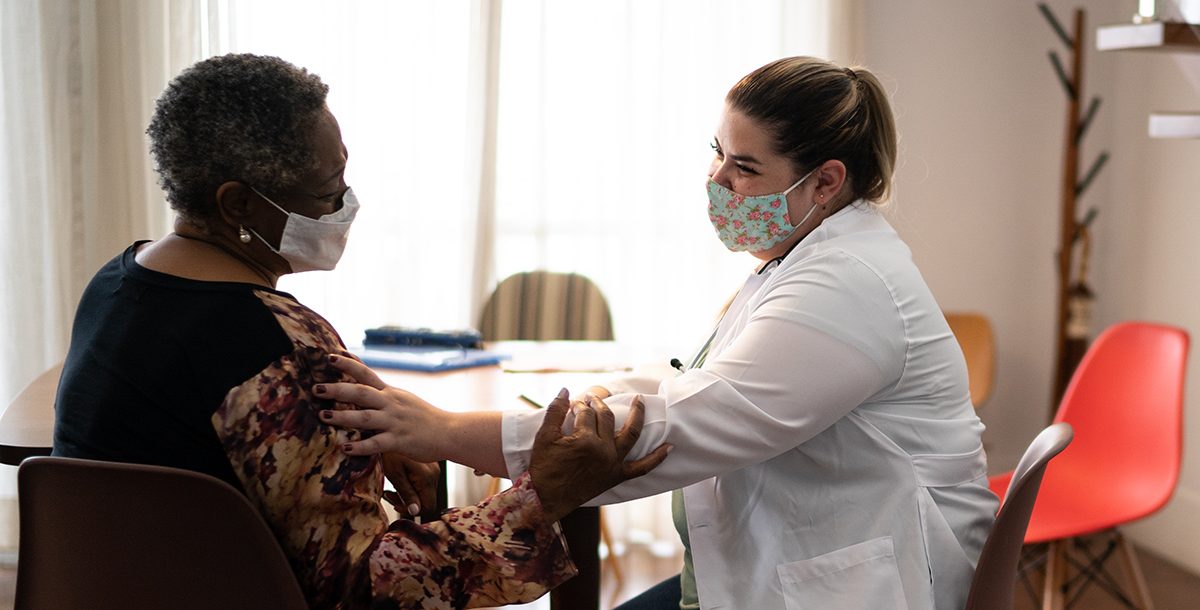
<point>702,354</point>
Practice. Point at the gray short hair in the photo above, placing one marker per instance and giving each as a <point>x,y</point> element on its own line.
<point>236,117</point>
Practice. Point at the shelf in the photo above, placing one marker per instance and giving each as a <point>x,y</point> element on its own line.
<point>1155,36</point>
<point>1175,125</point>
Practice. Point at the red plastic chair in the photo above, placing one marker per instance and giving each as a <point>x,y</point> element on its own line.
<point>1125,402</point>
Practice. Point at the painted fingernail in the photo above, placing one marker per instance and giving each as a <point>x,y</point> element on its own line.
<point>562,394</point>
<point>347,448</point>
<point>333,358</point>
<point>414,509</point>
<point>327,415</point>
<point>319,389</point>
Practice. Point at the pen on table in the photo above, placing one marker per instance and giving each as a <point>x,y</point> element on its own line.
<point>531,402</point>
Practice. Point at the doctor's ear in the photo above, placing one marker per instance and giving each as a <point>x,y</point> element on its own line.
<point>831,176</point>
<point>235,202</point>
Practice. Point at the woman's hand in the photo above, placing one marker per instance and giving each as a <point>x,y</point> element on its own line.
<point>416,483</point>
<point>402,421</point>
<point>570,470</point>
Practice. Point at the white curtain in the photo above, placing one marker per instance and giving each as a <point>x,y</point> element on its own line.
<point>76,185</point>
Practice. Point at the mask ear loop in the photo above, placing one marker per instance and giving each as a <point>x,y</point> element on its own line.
<point>246,238</point>
<point>811,209</point>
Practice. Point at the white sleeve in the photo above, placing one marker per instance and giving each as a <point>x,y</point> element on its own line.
<point>644,379</point>
<point>781,381</point>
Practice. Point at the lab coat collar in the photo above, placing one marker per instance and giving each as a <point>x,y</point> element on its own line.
<point>845,220</point>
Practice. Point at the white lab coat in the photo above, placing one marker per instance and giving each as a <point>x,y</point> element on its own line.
<point>827,449</point>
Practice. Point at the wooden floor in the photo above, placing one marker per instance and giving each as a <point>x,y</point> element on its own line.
<point>1170,586</point>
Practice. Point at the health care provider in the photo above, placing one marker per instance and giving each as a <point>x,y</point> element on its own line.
<point>824,438</point>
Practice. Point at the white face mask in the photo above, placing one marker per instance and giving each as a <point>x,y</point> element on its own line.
<point>314,244</point>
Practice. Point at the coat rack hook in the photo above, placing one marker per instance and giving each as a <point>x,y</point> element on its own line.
<point>1062,75</point>
<point>1058,28</point>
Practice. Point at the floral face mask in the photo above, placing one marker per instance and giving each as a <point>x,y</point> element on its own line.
<point>752,223</point>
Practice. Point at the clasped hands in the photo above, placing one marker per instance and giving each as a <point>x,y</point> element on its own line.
<point>566,470</point>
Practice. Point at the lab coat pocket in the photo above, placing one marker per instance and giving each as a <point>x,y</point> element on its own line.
<point>862,575</point>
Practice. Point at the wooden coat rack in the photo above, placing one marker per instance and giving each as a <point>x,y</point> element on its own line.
<point>1074,295</point>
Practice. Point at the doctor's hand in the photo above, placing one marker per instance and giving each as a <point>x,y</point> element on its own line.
<point>402,421</point>
<point>568,470</point>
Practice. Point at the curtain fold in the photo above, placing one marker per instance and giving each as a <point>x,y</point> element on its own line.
<point>483,86</point>
<point>76,179</point>
<point>76,183</point>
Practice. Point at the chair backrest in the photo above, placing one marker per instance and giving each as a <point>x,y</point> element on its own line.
<point>974,335</point>
<point>104,535</point>
<point>546,306</point>
<point>1125,402</point>
<point>996,572</point>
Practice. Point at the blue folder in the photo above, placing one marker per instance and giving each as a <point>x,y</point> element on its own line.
<point>426,357</point>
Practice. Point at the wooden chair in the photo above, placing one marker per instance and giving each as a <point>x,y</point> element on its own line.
<point>103,535</point>
<point>546,306</point>
<point>974,335</point>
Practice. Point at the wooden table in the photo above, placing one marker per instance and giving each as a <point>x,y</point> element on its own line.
<point>27,426</point>
<point>544,368</point>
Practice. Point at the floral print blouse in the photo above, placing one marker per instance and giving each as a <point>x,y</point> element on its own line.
<point>148,379</point>
<point>325,506</point>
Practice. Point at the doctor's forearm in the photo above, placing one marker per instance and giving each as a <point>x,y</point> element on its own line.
<point>473,440</point>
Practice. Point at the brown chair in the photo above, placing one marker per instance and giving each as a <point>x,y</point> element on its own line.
<point>974,335</point>
<point>996,572</point>
<point>552,306</point>
<point>546,306</point>
<point>103,535</point>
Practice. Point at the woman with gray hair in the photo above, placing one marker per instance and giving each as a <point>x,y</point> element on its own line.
<point>184,354</point>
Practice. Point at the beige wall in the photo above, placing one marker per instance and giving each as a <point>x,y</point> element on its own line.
<point>982,118</point>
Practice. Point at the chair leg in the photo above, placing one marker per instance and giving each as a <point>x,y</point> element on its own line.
<point>614,563</point>
<point>1134,571</point>
<point>1056,575</point>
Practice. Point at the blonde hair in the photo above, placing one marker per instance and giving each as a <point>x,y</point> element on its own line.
<point>816,111</point>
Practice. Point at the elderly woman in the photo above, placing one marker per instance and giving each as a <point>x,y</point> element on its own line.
<point>184,354</point>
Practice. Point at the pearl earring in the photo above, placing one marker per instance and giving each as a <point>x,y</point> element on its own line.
<point>243,234</point>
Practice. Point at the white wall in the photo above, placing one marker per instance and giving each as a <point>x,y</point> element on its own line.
<point>982,120</point>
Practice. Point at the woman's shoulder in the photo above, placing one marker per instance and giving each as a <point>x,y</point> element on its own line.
<point>306,328</point>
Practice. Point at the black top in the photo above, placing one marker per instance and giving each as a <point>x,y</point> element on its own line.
<point>151,358</point>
